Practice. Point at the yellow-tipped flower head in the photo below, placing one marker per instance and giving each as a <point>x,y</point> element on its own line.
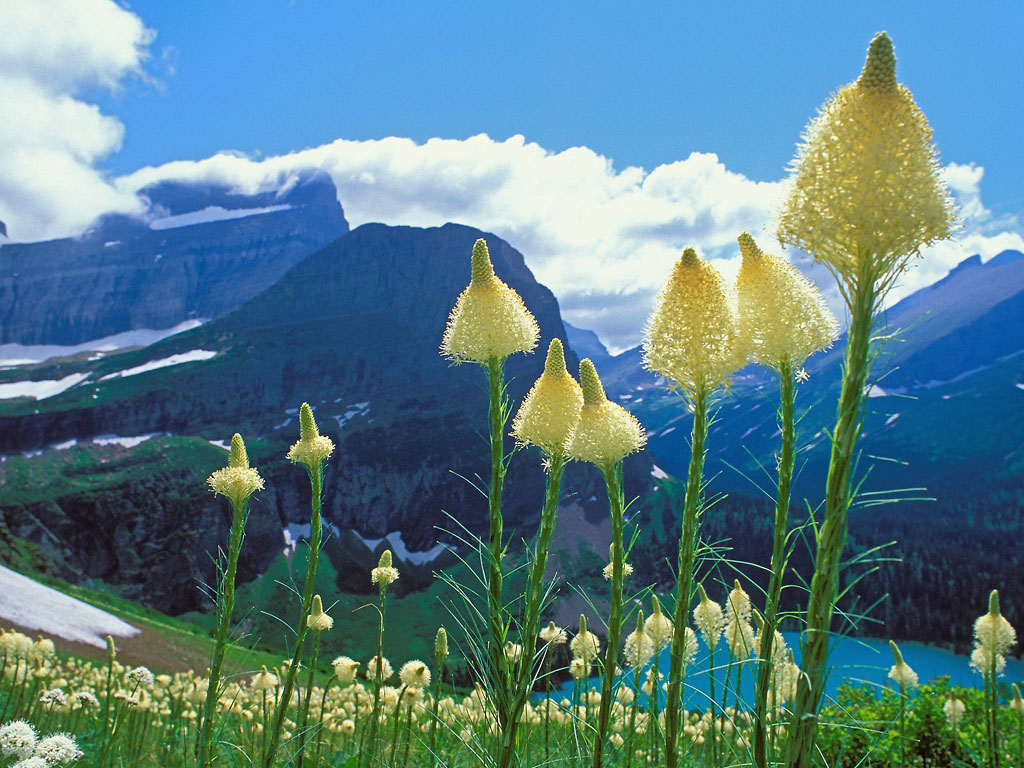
<point>551,409</point>
<point>345,669</point>
<point>237,481</point>
<point>658,626</point>
<point>415,674</point>
<point>441,645</point>
<point>606,432</point>
<point>312,448</point>
<point>691,336</point>
<point>585,645</point>
<point>384,574</point>
<point>782,315</point>
<point>489,319</point>
<point>993,637</point>
<point>264,680</point>
<point>866,177</point>
<point>639,647</point>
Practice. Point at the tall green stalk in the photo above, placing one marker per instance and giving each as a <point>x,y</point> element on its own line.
<point>613,484</point>
<point>225,609</point>
<point>831,539</point>
<point>534,595</point>
<point>497,417</point>
<point>766,655</point>
<point>684,583</point>
<point>316,475</point>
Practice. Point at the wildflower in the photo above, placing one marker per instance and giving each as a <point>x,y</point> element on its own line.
<point>513,652</point>
<point>739,634</point>
<point>639,646</point>
<point>1017,705</point>
<point>585,644</point>
<point>489,319</point>
<point>578,668</point>
<point>312,449</point>
<point>384,673</point>
<point>993,636</point>
<point>553,635</point>
<point>17,739</point>
<point>606,432</point>
<point>384,574</point>
<point>348,727</point>
<point>954,709</point>
<point>58,749</point>
<point>264,680</point>
<point>85,698</point>
<point>415,674</point>
<point>866,180</point>
<point>54,697</point>
<point>689,646</point>
<point>237,481</point>
<point>141,676</point>
<point>318,621</point>
<point>345,669</point>
<point>707,618</point>
<point>782,316</point>
<point>627,569</point>
<point>552,407</point>
<point>901,673</point>
<point>658,626</point>
<point>43,648</point>
<point>691,336</point>
<point>441,644</point>
<point>32,762</point>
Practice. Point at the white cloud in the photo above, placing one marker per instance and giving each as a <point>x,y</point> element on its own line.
<point>51,139</point>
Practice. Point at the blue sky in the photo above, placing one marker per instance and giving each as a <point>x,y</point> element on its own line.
<point>643,87</point>
<point>598,138</point>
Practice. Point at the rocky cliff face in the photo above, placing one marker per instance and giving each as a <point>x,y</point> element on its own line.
<point>203,252</point>
<point>354,330</point>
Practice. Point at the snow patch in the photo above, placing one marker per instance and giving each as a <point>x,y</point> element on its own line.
<point>124,442</point>
<point>220,444</point>
<point>66,444</point>
<point>399,550</point>
<point>1018,385</point>
<point>37,607</point>
<point>667,431</point>
<point>658,473</point>
<point>875,391</point>
<point>891,419</point>
<point>356,409</point>
<point>295,532</point>
<point>284,423</point>
<point>40,390</point>
<point>745,434</point>
<point>19,354</point>
<point>212,213</point>
<point>192,356</point>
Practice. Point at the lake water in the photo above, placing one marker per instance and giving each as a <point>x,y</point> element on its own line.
<point>859,660</point>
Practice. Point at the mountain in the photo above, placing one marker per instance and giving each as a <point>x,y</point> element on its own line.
<point>201,251</point>
<point>354,330</point>
<point>586,344</point>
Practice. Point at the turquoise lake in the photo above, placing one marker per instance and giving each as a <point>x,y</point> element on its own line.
<point>858,660</point>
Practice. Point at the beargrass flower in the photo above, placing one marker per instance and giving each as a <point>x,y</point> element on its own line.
<point>782,315</point>
<point>901,673</point>
<point>993,637</point>
<point>553,635</point>
<point>489,319</point>
<point>708,618</point>
<point>691,337</point>
<point>739,633</point>
<point>606,432</point>
<point>415,674</point>
<point>585,644</point>
<point>954,709</point>
<point>386,670</point>
<point>658,626</point>
<point>345,669</point>
<point>627,569</point>
<point>551,409</point>
<point>17,739</point>
<point>384,574</point>
<point>318,621</point>
<point>866,180</point>
<point>237,481</point>
<point>58,749</point>
<point>264,680</point>
<point>639,647</point>
<point>312,449</point>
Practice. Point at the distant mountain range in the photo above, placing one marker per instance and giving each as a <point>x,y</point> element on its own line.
<point>106,444</point>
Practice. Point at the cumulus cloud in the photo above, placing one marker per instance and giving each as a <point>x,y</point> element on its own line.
<point>602,238</point>
<point>50,137</point>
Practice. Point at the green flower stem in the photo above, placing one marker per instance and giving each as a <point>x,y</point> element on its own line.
<point>378,673</point>
<point>831,540</point>
<point>225,609</point>
<point>787,397</point>
<point>497,418</point>
<point>316,476</point>
<point>534,594</point>
<point>304,718</point>
<point>903,726</point>
<point>438,677</point>
<point>684,583</point>
<point>613,484</point>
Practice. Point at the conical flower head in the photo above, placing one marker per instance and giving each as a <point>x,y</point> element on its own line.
<point>708,618</point>
<point>639,647</point>
<point>782,316</point>
<point>901,673</point>
<point>318,621</point>
<point>585,645</point>
<point>237,481</point>
<point>691,336</point>
<point>658,626</point>
<point>866,192</point>
<point>993,637</point>
<point>606,432</point>
<point>551,409</point>
<point>441,645</point>
<point>385,573</point>
<point>313,449</point>
<point>489,319</point>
